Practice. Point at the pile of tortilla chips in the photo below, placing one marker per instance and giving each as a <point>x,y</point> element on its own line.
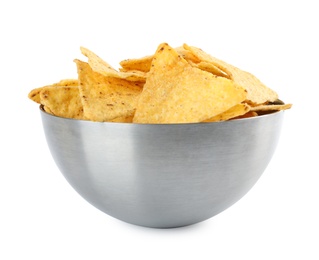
<point>175,85</point>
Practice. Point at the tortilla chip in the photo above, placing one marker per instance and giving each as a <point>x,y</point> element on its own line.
<point>187,55</point>
<point>247,115</point>
<point>100,66</point>
<point>46,109</point>
<point>35,93</point>
<point>210,67</point>
<point>66,83</point>
<point>62,101</point>
<point>271,107</point>
<point>105,98</point>
<point>142,64</point>
<point>257,92</point>
<point>235,111</point>
<point>176,92</point>
<point>123,119</point>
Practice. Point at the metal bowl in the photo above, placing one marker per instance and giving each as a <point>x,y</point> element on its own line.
<point>164,175</point>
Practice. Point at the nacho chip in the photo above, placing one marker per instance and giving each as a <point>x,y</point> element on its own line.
<point>62,101</point>
<point>106,98</point>
<point>271,107</point>
<point>247,115</point>
<point>176,92</point>
<point>35,93</point>
<point>210,67</point>
<point>100,66</point>
<point>46,109</point>
<point>66,83</point>
<point>257,92</point>
<point>235,111</point>
<point>123,119</point>
<point>144,63</point>
<point>187,55</point>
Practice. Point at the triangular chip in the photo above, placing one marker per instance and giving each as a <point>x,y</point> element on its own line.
<point>62,101</point>
<point>176,92</point>
<point>257,92</point>
<point>235,111</point>
<point>35,93</point>
<point>66,83</point>
<point>247,115</point>
<point>210,67</point>
<point>144,63</point>
<point>187,55</point>
<point>141,64</point>
<point>271,107</point>
<point>100,66</point>
<point>46,109</point>
<point>106,98</point>
<point>123,119</point>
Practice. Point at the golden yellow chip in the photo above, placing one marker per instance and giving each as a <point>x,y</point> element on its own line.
<point>106,98</point>
<point>35,93</point>
<point>176,92</point>
<point>187,55</point>
<point>210,67</point>
<point>144,63</point>
<point>100,66</point>
<point>235,111</point>
<point>257,92</point>
<point>271,107</point>
<point>247,115</point>
<point>123,119</point>
<point>62,101</point>
<point>66,83</point>
<point>46,109</point>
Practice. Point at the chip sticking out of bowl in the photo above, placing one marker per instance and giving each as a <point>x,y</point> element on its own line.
<point>105,98</point>
<point>61,99</point>
<point>233,112</point>
<point>100,66</point>
<point>257,92</point>
<point>35,93</point>
<point>174,85</point>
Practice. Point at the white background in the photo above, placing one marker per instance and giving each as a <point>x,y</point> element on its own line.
<point>42,217</point>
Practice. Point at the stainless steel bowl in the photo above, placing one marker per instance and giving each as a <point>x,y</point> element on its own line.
<point>162,176</point>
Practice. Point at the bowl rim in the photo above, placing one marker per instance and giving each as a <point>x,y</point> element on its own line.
<point>272,113</point>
